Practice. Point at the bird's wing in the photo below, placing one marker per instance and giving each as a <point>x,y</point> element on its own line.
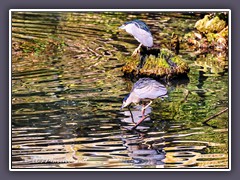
<point>143,37</point>
<point>149,89</point>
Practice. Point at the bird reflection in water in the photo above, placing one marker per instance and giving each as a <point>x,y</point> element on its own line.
<point>144,91</point>
<point>143,151</point>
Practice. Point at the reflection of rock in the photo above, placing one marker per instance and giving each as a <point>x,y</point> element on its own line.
<point>216,63</point>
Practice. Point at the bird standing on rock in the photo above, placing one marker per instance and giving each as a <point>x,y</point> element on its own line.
<point>140,32</point>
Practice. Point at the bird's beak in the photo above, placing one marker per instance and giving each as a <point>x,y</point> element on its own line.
<point>121,27</point>
<point>122,107</point>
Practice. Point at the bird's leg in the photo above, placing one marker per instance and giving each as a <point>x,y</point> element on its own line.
<point>147,106</point>
<point>136,125</point>
<point>136,50</point>
<point>143,111</point>
<point>131,114</point>
<point>143,116</point>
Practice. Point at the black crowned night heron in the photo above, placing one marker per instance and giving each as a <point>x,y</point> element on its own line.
<point>140,32</point>
<point>145,90</point>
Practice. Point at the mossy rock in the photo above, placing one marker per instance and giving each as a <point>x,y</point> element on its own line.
<point>210,25</point>
<point>211,34</point>
<point>165,65</point>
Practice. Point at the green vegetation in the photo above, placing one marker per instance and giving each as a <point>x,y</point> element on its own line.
<point>157,66</point>
<point>49,46</point>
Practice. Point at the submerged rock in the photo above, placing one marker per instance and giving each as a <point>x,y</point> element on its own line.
<point>155,63</point>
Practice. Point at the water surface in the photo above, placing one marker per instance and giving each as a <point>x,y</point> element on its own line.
<point>66,100</point>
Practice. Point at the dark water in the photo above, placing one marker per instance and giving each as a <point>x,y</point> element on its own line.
<point>66,99</point>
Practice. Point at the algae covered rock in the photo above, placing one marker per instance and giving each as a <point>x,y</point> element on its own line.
<point>210,25</point>
<point>163,64</point>
<point>211,33</point>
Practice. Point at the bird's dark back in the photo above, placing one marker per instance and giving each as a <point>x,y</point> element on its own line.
<point>139,24</point>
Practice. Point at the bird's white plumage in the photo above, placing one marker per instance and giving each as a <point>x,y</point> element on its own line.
<point>139,34</point>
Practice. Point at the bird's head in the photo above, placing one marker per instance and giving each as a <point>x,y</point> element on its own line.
<point>122,26</point>
<point>129,26</point>
<point>126,101</point>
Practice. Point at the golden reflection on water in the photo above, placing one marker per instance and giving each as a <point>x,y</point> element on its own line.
<point>67,89</point>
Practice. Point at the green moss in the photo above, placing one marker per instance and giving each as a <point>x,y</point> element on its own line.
<point>211,37</point>
<point>156,66</point>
